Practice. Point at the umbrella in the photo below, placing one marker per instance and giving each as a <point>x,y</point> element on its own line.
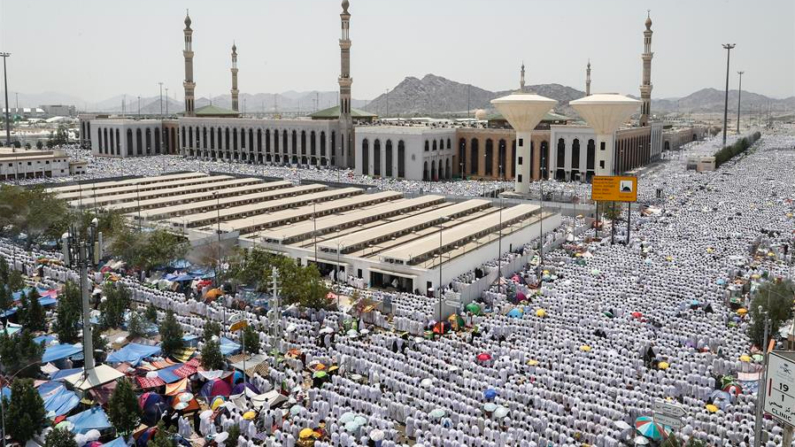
<point>249,415</point>
<point>541,313</point>
<point>490,394</point>
<point>441,327</point>
<point>437,413</point>
<point>745,358</point>
<point>483,357</point>
<point>456,322</point>
<point>360,420</point>
<point>727,380</point>
<point>733,389</point>
<point>640,440</point>
<point>426,383</point>
<point>217,402</point>
<point>346,417</point>
<point>711,408</point>
<point>352,426</point>
<point>216,387</point>
<point>377,435</point>
<point>585,348</point>
<point>621,425</point>
<point>214,293</point>
<point>521,297</point>
<point>646,426</point>
<point>327,330</point>
<point>352,333</point>
<point>532,362</point>
<point>319,374</point>
<point>663,365</point>
<point>240,388</point>
<point>758,358</point>
<point>637,315</point>
<point>306,433</point>
<point>500,412</point>
<point>742,311</point>
<point>516,312</point>
<point>489,407</point>
<point>473,308</point>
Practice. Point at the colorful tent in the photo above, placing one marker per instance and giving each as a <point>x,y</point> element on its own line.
<point>216,387</point>
<point>153,406</point>
<point>58,352</point>
<point>133,354</point>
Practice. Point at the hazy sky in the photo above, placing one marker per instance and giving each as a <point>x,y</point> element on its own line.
<point>95,49</point>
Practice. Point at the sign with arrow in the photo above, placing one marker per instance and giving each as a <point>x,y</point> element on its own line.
<point>668,413</point>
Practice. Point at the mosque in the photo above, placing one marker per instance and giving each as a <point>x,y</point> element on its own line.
<point>344,137</point>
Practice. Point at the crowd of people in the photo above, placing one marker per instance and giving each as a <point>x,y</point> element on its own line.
<point>578,358</point>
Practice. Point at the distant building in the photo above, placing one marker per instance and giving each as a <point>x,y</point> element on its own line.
<point>26,164</point>
<point>59,110</point>
<point>407,152</point>
<point>25,112</point>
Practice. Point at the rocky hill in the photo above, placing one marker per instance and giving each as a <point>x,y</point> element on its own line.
<point>434,95</point>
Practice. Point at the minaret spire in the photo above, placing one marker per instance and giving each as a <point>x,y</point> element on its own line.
<point>346,156</point>
<point>646,86</point>
<point>521,79</point>
<point>588,79</point>
<point>189,85</point>
<point>235,91</point>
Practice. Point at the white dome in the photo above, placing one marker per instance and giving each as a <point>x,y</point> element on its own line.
<point>480,114</point>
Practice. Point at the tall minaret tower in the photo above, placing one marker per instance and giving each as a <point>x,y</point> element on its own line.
<point>521,79</point>
<point>189,85</point>
<point>588,79</point>
<point>645,88</point>
<point>346,156</point>
<point>235,91</point>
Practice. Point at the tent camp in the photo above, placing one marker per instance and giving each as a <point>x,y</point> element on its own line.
<point>58,352</point>
<point>92,419</point>
<point>100,375</point>
<point>133,354</point>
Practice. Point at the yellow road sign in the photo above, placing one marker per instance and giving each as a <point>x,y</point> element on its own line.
<point>614,189</point>
<point>242,324</point>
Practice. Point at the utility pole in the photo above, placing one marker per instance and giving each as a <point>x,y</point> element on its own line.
<point>161,99</point>
<point>760,395</point>
<point>728,47</point>
<point>5,82</point>
<point>739,100</point>
<point>139,106</point>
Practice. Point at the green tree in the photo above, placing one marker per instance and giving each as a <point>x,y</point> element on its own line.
<point>251,340</point>
<point>117,301</point>
<point>611,210</point>
<point>68,321</point>
<point>674,441</point>
<point>306,288</point>
<point>123,410</point>
<point>211,328</point>
<point>33,212</point>
<point>162,438</point>
<point>35,318</point>
<point>151,313</point>
<point>775,298</point>
<point>19,354</point>
<point>5,298</point>
<point>170,335</point>
<point>212,359</point>
<point>60,437</point>
<point>145,251</point>
<point>39,144</point>
<point>16,281</point>
<point>25,415</point>
<point>136,327</point>
<point>234,433</point>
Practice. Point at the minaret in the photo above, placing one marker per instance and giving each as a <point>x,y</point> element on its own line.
<point>346,154</point>
<point>645,88</point>
<point>588,79</point>
<point>189,85</point>
<point>521,79</point>
<point>234,77</point>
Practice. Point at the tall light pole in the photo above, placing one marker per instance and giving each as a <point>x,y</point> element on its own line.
<point>728,47</point>
<point>139,106</point>
<point>739,100</point>
<point>161,99</point>
<point>166,101</point>
<point>8,119</point>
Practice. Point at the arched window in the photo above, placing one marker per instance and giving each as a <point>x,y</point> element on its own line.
<point>473,157</point>
<point>130,141</point>
<point>489,158</point>
<point>513,157</point>
<point>251,140</point>
<point>401,159</point>
<point>591,155</point>
<point>259,140</point>
<point>275,140</point>
<point>544,165</point>
<point>575,154</point>
<point>226,138</point>
<point>388,151</point>
<point>434,145</point>
<point>312,144</point>
<point>322,143</point>
<point>333,144</point>
<point>427,145</point>
<point>502,148</point>
<point>212,138</point>
<point>447,173</point>
<point>157,140</point>
<point>190,136</point>
<point>118,142</point>
<point>365,156</point>
<point>433,171</point>
<point>561,153</point>
<point>303,142</point>
<point>139,144</point>
<point>284,142</point>
<point>425,176</point>
<point>449,146</point>
<point>377,157</point>
<point>235,147</point>
<point>295,143</point>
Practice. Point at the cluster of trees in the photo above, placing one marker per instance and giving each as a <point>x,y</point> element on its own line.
<point>774,299</point>
<point>147,250</point>
<point>300,285</point>
<point>739,146</point>
<point>32,212</point>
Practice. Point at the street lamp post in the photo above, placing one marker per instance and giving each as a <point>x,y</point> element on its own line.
<point>739,100</point>
<point>8,119</point>
<point>441,228</point>
<point>728,47</point>
<point>161,99</point>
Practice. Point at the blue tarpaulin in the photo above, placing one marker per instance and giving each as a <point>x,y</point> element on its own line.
<point>44,339</point>
<point>64,373</point>
<point>181,278</point>
<point>57,399</point>
<point>167,374</point>
<point>9,312</point>
<point>58,352</point>
<point>47,301</point>
<point>95,418</point>
<point>133,353</point>
<point>228,347</point>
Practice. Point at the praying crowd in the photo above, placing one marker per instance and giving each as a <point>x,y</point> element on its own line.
<point>571,351</point>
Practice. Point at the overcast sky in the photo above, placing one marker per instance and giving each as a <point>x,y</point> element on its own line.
<point>95,49</point>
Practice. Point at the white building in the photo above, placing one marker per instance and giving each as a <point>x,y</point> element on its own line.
<point>25,164</point>
<point>124,137</point>
<point>407,152</point>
